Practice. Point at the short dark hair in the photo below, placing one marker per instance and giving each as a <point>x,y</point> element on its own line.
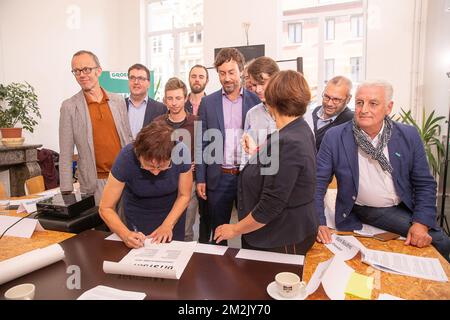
<point>79,53</point>
<point>228,54</point>
<point>138,66</point>
<point>154,142</point>
<point>262,65</point>
<point>174,84</point>
<point>200,66</point>
<point>288,93</point>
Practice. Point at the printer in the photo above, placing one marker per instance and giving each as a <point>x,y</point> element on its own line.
<point>66,206</point>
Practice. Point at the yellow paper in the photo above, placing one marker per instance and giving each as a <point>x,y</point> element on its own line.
<point>360,286</point>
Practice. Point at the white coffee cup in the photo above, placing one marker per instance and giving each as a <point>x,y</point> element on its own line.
<point>21,292</point>
<point>289,284</point>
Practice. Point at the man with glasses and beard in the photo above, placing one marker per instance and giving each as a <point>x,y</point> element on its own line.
<point>141,108</point>
<point>334,110</point>
<point>95,121</point>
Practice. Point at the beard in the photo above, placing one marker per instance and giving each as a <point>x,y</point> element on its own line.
<point>195,89</point>
<point>229,87</point>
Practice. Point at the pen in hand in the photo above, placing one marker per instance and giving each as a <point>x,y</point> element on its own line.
<point>141,236</point>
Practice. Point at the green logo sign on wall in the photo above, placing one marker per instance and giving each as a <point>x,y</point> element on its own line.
<point>117,82</point>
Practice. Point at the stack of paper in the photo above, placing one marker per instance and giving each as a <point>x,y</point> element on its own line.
<point>164,260</point>
<point>360,286</point>
<point>270,256</point>
<point>398,263</point>
<point>108,293</point>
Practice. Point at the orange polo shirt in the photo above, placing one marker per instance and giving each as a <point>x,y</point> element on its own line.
<point>106,139</point>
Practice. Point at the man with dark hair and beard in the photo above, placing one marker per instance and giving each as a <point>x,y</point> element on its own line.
<point>198,79</point>
<point>223,111</point>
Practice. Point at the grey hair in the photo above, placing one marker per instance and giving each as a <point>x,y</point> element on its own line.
<point>341,80</point>
<point>388,89</point>
<point>79,53</point>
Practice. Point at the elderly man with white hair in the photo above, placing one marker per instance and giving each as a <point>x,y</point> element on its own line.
<point>382,174</point>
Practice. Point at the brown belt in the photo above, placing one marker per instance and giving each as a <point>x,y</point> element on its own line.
<point>233,171</point>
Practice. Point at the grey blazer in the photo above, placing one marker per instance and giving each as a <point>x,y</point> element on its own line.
<point>75,129</point>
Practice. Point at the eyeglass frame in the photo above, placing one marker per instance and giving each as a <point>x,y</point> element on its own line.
<point>147,168</point>
<point>327,98</point>
<point>139,79</point>
<point>77,72</point>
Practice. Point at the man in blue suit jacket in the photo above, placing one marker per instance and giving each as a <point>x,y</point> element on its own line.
<point>141,108</point>
<point>382,174</point>
<point>222,114</point>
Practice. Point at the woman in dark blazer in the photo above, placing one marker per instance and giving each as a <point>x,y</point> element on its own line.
<point>276,188</point>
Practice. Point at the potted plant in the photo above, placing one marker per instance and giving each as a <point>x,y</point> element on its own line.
<point>18,104</point>
<point>430,132</point>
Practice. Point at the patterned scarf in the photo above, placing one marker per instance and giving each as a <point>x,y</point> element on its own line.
<point>375,153</point>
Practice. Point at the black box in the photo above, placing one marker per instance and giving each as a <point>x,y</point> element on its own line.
<point>66,206</point>
<point>86,220</point>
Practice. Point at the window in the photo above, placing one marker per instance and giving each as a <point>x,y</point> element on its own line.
<point>174,38</point>
<point>356,65</point>
<point>157,45</point>
<point>195,36</point>
<point>329,69</point>
<point>295,32</point>
<point>329,29</point>
<point>356,25</point>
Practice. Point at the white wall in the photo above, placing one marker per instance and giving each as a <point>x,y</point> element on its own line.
<point>437,59</point>
<point>390,37</point>
<point>223,28</point>
<point>38,39</point>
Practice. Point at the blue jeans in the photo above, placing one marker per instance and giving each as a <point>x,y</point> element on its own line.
<point>220,202</point>
<point>398,219</point>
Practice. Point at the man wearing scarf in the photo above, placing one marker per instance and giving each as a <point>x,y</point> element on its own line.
<point>382,174</point>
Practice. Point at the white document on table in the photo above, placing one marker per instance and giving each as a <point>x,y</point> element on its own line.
<point>369,231</point>
<point>335,279</point>
<point>317,276</point>
<point>342,247</point>
<point>164,260</point>
<point>398,263</point>
<point>30,261</point>
<point>385,296</point>
<point>271,256</point>
<point>108,293</point>
<point>29,205</point>
<point>113,237</point>
<point>22,229</point>
<point>210,249</point>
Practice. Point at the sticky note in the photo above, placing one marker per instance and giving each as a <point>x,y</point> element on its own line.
<point>360,286</point>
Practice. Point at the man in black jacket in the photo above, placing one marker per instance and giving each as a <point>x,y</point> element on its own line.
<point>334,110</point>
<point>141,108</point>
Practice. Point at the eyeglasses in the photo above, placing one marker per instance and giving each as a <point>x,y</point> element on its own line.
<point>335,101</point>
<point>139,79</point>
<point>158,167</point>
<point>86,70</point>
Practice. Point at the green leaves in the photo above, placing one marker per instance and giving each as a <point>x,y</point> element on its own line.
<point>18,103</point>
<point>430,131</point>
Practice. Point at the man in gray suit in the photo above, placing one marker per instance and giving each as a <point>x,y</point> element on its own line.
<point>96,122</point>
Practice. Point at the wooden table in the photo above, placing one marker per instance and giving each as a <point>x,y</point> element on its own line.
<point>14,246</point>
<point>401,286</point>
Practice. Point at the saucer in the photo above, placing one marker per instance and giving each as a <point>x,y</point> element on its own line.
<point>273,292</point>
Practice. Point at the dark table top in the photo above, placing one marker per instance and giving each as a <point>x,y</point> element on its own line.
<point>206,276</point>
